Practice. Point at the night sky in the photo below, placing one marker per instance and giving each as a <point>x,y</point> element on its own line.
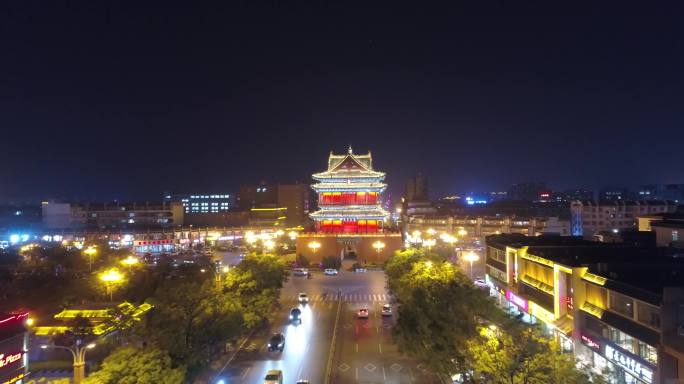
<point>126,100</point>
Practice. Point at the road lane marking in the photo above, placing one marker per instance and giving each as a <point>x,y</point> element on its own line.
<point>384,375</point>
<point>380,348</point>
<point>344,367</point>
<point>411,374</point>
<point>357,347</point>
<point>370,367</point>
<point>396,367</point>
<point>328,372</point>
<point>377,330</point>
<point>357,374</point>
<point>244,374</point>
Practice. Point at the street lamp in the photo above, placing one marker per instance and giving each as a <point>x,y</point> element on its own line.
<point>450,240</point>
<point>78,352</point>
<point>429,243</point>
<point>314,245</point>
<point>111,277</point>
<point>90,252</point>
<point>129,262</point>
<point>471,257</point>
<point>269,245</point>
<point>293,235</point>
<point>462,232</point>
<point>379,246</point>
<point>279,232</point>
<point>431,232</point>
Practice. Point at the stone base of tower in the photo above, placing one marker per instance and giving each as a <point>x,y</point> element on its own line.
<point>358,247</point>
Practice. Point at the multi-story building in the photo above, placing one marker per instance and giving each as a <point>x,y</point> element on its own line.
<point>529,191</point>
<point>13,348</point>
<point>570,195</point>
<point>350,221</point>
<point>286,205</point>
<point>590,218</point>
<point>205,204</point>
<point>416,189</point>
<point>481,226</point>
<point>668,228</point>
<point>617,307</point>
<point>614,193</point>
<point>111,215</point>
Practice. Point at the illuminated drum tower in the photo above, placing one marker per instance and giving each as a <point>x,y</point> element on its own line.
<point>349,195</point>
<point>350,220</point>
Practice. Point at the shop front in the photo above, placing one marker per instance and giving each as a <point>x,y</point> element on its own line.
<point>604,355</point>
<point>13,349</point>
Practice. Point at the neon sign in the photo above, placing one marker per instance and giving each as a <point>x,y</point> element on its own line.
<point>630,364</point>
<point>590,343</point>
<point>6,360</point>
<point>517,300</point>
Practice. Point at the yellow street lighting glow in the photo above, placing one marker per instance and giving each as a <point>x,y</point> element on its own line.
<point>471,257</point>
<point>416,233</point>
<point>314,245</point>
<point>378,245</point>
<point>111,276</point>
<point>429,242</point>
<point>29,321</point>
<point>130,261</point>
<point>292,234</point>
<point>225,269</point>
<point>462,232</point>
<point>431,231</point>
<point>269,244</point>
<point>90,251</point>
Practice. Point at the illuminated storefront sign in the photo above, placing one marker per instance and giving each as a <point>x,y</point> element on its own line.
<point>589,342</point>
<point>6,360</point>
<point>540,313</point>
<point>517,300</point>
<point>629,364</point>
<point>15,378</point>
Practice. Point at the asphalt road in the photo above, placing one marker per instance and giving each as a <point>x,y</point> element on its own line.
<point>363,353</point>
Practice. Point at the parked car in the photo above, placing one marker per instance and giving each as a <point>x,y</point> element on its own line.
<point>300,272</point>
<point>330,271</point>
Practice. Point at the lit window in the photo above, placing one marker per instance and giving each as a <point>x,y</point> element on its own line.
<point>675,235</point>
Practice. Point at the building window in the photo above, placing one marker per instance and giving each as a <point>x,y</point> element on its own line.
<point>622,304</point>
<point>648,315</point>
<point>675,235</point>
<point>622,339</point>
<point>647,352</point>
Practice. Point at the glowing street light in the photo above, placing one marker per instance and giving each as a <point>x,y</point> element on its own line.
<point>280,232</point>
<point>462,232</point>
<point>431,232</point>
<point>429,243</point>
<point>471,257</point>
<point>314,245</point>
<point>78,352</point>
<point>269,245</point>
<point>379,246</point>
<point>130,261</point>
<point>293,235</point>
<point>90,252</point>
<point>111,277</point>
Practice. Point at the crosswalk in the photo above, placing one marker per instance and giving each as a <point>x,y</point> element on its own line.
<point>350,297</point>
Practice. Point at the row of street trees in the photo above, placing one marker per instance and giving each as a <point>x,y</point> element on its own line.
<point>194,316</point>
<point>455,328</point>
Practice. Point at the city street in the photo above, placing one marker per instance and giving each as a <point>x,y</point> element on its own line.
<point>363,352</point>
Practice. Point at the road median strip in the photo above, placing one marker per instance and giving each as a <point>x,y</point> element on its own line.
<point>328,370</point>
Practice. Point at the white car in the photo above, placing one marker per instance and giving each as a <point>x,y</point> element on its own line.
<point>387,310</point>
<point>362,313</point>
<point>301,271</point>
<point>303,298</point>
<point>330,271</point>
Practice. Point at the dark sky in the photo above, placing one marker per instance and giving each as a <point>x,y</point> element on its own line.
<point>103,100</point>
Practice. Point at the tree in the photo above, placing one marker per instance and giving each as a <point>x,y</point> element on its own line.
<point>191,319</point>
<point>525,357</point>
<point>302,261</point>
<point>131,365</point>
<point>331,262</point>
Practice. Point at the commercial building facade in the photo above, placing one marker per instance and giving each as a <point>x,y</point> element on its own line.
<point>13,348</point>
<point>111,215</point>
<point>589,217</point>
<point>616,307</point>
<point>482,226</point>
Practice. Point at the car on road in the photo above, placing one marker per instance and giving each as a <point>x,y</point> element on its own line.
<point>274,376</point>
<point>303,298</point>
<point>296,315</point>
<point>387,310</point>
<point>301,272</point>
<point>330,271</point>
<point>360,270</point>
<point>302,381</point>
<point>362,313</point>
<point>276,342</point>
